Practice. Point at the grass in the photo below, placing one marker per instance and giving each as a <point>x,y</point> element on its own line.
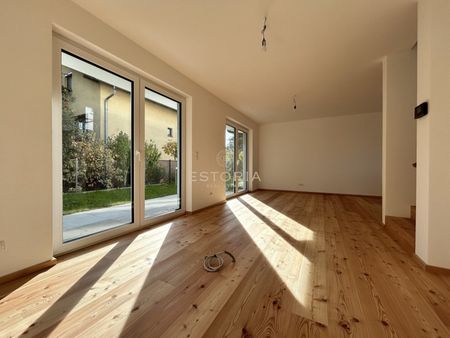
<point>83,201</point>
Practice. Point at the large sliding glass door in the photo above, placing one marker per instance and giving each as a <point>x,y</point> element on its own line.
<point>236,159</point>
<point>117,150</point>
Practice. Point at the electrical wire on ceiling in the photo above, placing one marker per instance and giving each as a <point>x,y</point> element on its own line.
<point>263,31</point>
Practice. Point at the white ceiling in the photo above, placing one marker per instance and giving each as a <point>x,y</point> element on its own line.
<point>326,52</point>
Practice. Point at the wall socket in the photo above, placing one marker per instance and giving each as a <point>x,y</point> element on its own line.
<point>2,246</point>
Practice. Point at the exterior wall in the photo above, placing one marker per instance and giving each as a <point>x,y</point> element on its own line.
<point>85,88</point>
<point>157,119</point>
<point>119,111</point>
<point>90,93</point>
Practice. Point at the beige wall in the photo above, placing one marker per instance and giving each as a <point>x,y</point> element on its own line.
<point>334,155</point>
<point>399,133</point>
<point>26,120</point>
<point>433,135</point>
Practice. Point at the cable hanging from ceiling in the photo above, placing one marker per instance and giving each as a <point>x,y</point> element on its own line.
<point>263,33</point>
<point>294,102</point>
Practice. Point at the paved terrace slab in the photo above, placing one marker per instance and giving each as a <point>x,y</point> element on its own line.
<point>85,223</point>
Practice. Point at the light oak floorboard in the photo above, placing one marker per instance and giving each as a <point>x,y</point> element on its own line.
<point>308,265</point>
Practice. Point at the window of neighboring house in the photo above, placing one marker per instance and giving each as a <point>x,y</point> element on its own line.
<point>170,132</point>
<point>68,77</point>
<point>86,121</point>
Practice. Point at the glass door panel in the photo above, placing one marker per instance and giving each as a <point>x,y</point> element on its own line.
<point>162,149</point>
<point>241,161</point>
<point>97,144</point>
<point>236,160</point>
<point>230,159</point>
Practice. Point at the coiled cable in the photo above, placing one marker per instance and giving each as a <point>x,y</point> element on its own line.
<point>215,262</point>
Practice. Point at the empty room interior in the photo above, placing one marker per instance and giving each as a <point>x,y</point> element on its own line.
<point>202,168</point>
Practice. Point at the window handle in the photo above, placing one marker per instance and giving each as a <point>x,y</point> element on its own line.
<point>138,156</point>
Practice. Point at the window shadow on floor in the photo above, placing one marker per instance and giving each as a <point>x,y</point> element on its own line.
<point>50,319</point>
<point>299,245</point>
<point>178,296</point>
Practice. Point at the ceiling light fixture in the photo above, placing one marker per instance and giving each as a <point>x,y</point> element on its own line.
<point>263,31</point>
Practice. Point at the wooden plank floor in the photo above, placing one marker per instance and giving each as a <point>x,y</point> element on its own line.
<point>308,265</point>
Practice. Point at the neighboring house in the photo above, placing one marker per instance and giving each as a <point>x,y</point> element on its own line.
<point>161,122</point>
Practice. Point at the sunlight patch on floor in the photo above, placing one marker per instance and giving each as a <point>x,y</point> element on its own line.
<point>294,229</point>
<point>154,240</point>
<point>293,268</point>
<point>124,266</point>
<point>45,302</point>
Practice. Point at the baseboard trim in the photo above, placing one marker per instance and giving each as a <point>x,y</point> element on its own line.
<point>430,268</point>
<point>318,193</point>
<point>205,208</point>
<point>389,219</point>
<point>29,270</point>
<point>221,202</point>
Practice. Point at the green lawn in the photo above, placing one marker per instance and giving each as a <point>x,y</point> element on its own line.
<point>82,201</point>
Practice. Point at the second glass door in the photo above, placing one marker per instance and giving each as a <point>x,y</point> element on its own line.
<point>236,160</point>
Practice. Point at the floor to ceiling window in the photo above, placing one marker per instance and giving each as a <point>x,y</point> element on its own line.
<point>117,149</point>
<point>236,159</point>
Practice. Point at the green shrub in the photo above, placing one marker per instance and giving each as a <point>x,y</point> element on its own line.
<point>153,171</point>
<point>120,146</point>
<point>92,165</point>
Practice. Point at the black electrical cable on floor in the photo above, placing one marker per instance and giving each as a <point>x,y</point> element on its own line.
<point>215,262</point>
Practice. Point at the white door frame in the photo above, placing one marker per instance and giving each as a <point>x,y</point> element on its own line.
<point>237,127</point>
<point>59,247</point>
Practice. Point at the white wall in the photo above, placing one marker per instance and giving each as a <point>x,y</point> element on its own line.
<point>433,134</point>
<point>26,119</point>
<point>399,133</point>
<point>333,155</point>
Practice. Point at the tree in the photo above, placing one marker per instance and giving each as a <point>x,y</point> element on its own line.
<point>171,149</point>
<point>153,172</point>
<point>95,162</point>
<point>120,146</point>
<point>70,132</point>
<point>87,163</point>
